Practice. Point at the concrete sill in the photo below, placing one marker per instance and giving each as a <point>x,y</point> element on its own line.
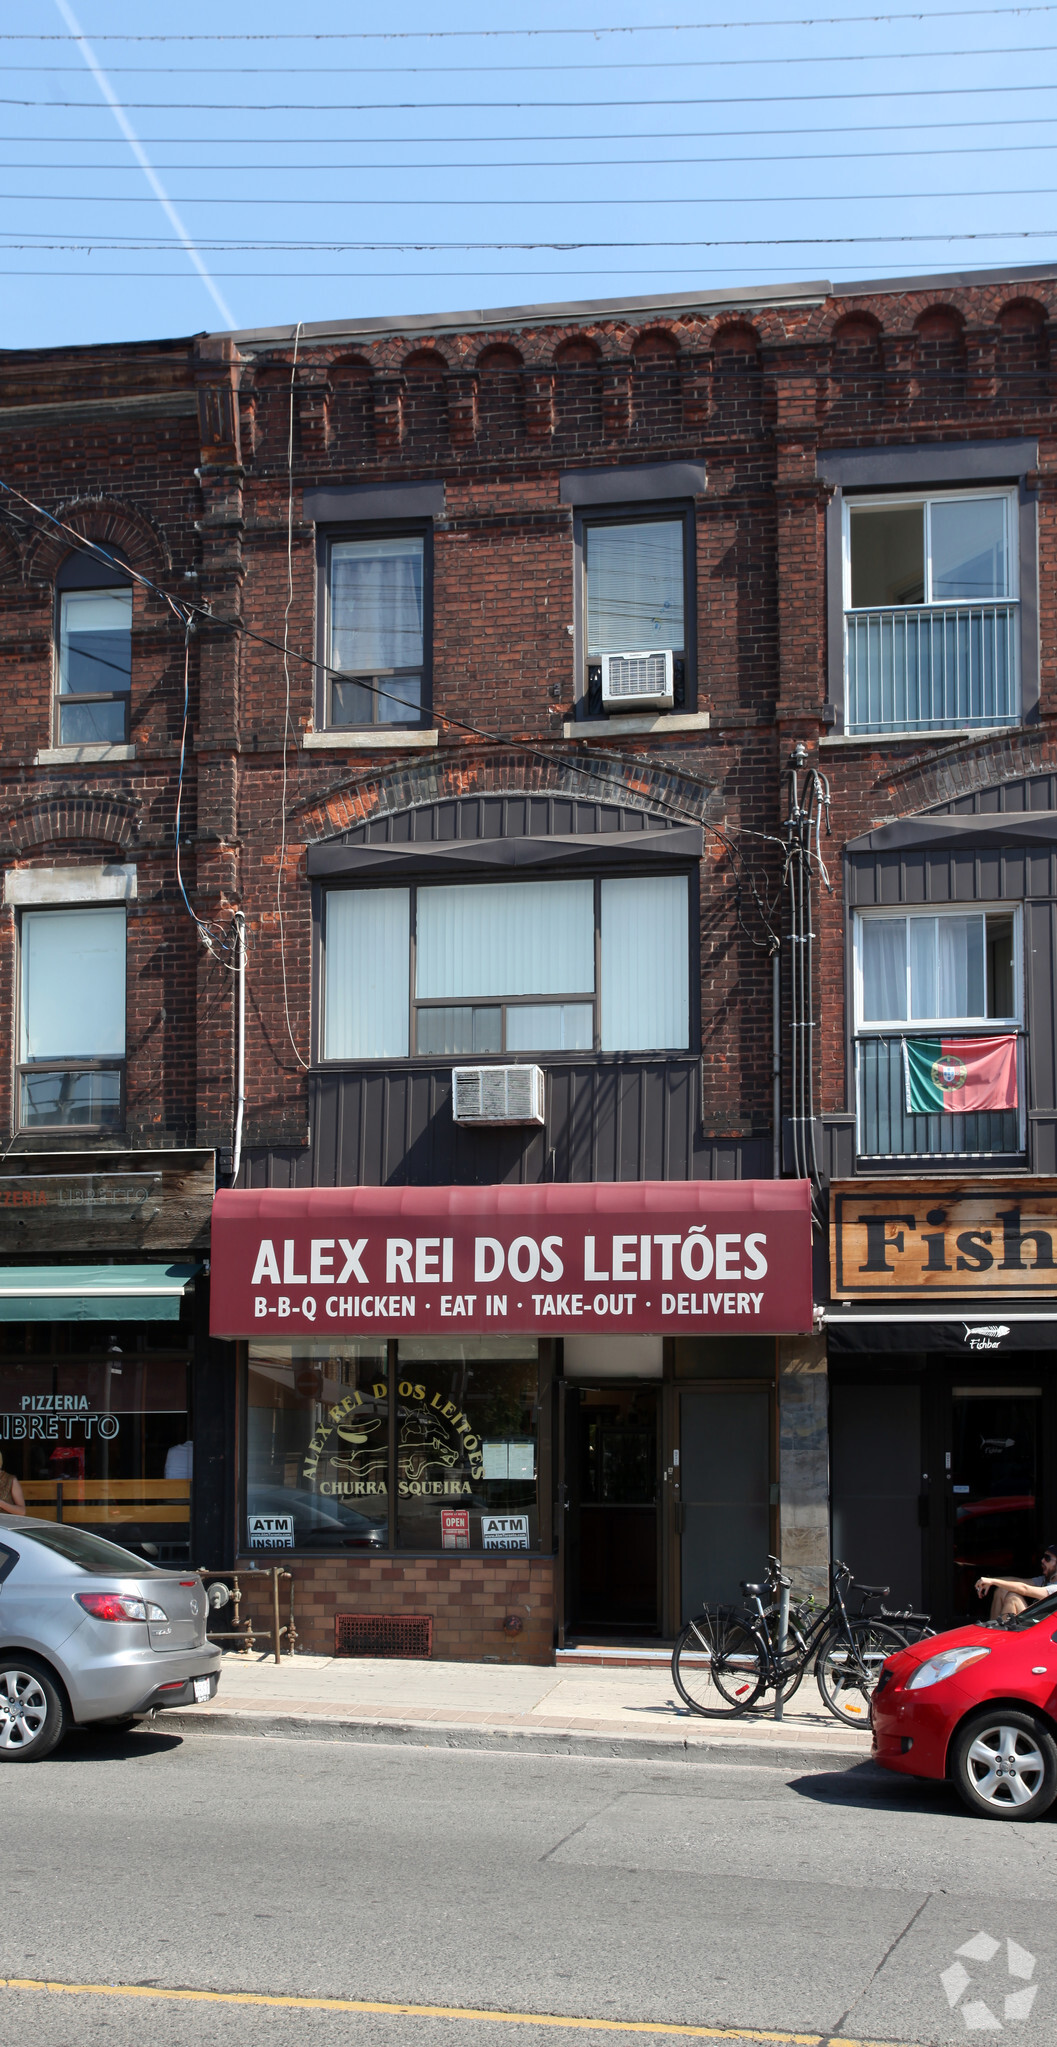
<point>95,750</point>
<point>614,728</point>
<point>393,741</point>
<point>952,732</point>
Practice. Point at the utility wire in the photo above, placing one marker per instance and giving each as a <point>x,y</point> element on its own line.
<point>676,63</point>
<point>136,244</point>
<point>479,34</point>
<point>270,141</point>
<point>622,200</point>
<point>755,99</point>
<point>560,163</point>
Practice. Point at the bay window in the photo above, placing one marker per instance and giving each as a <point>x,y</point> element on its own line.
<point>493,968</point>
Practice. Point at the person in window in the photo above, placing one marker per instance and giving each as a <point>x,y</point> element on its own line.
<point>1010,1596</point>
<point>12,1500</point>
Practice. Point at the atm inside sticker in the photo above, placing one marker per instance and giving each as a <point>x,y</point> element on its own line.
<point>504,1531</point>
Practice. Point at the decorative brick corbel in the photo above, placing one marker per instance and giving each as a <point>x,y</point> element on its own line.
<point>616,397</point>
<point>387,391</point>
<point>314,393</point>
<point>695,372</point>
<point>898,354</point>
<point>981,380</point>
<point>539,403</point>
<point>217,371</point>
<point>461,386</point>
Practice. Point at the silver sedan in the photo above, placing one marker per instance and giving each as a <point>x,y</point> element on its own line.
<point>89,1632</point>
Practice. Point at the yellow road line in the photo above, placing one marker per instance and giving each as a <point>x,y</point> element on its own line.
<point>430,2011</point>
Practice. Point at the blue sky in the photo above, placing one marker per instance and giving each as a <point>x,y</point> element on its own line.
<point>336,161</point>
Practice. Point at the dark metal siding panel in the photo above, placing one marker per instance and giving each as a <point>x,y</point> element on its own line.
<point>1040,958</point>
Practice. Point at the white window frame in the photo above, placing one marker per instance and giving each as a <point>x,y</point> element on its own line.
<point>893,501</point>
<point>922,1026</point>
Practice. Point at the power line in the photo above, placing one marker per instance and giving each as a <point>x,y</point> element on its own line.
<point>548,106</point>
<point>572,163</point>
<point>859,128</point>
<point>481,34</point>
<point>676,63</point>
<point>538,199</point>
<point>129,244</point>
<point>394,276</point>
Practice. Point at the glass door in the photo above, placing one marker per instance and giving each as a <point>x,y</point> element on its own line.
<point>615,1511</point>
<point>993,1488</point>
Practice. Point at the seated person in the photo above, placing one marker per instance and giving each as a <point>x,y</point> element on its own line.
<point>1011,1595</point>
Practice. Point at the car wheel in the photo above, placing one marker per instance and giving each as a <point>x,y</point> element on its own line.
<point>1004,1764</point>
<point>32,1711</point>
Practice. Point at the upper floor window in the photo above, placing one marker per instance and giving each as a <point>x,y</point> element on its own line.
<point>635,610</point>
<point>94,665</point>
<point>931,616</point>
<point>71,1048</point>
<point>938,1006</point>
<point>494,968</point>
<point>377,630</point>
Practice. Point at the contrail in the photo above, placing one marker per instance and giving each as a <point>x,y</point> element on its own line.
<point>142,158</point>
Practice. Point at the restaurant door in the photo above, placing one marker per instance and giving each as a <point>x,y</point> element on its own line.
<point>612,1510</point>
<point>991,1472</point>
<point>724,1501</point>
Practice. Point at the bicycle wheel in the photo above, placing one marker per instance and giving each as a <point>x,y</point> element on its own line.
<point>796,1660</point>
<point>848,1666</point>
<point>718,1665</point>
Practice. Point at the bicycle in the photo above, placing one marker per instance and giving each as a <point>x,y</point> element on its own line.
<point>726,1660</point>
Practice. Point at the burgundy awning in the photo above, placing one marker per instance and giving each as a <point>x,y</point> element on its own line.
<point>671,1256</point>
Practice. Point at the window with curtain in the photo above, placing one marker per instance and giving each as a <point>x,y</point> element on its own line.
<point>938,967</point>
<point>494,968</point>
<point>93,668</point>
<point>72,1018</point>
<point>377,640</point>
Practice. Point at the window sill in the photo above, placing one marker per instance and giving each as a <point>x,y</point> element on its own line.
<point>663,721</point>
<point>94,750</point>
<point>945,734</point>
<point>378,740</point>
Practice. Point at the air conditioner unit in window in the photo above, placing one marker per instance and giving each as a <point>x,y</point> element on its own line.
<point>645,680</point>
<point>497,1094</point>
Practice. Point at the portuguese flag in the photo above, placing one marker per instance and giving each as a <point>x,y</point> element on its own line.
<point>960,1074</point>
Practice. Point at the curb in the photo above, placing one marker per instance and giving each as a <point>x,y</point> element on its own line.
<point>434,1734</point>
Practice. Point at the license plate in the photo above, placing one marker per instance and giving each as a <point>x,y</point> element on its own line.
<point>201,1685</point>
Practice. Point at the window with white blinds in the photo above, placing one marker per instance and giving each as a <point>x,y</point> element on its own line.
<point>491,968</point>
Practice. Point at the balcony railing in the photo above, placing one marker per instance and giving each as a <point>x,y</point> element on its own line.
<point>932,668</point>
<point>886,1131</point>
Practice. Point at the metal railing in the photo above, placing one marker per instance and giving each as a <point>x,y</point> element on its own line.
<point>932,668</point>
<point>887,1131</point>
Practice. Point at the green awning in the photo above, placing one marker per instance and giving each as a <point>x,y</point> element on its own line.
<point>93,1293</point>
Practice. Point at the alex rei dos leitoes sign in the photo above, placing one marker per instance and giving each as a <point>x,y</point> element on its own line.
<point>633,1257</point>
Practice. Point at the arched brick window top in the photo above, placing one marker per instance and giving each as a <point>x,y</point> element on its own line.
<point>736,346</point>
<point>499,361</point>
<point>939,326</point>
<point>349,369</point>
<point>1022,317</point>
<point>424,365</point>
<point>857,331</point>
<point>578,353</point>
<point>656,345</point>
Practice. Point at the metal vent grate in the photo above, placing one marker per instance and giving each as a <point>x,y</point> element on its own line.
<point>637,675</point>
<point>383,1634</point>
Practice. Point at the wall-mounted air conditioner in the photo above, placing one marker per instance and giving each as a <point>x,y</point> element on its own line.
<point>643,681</point>
<point>497,1094</point>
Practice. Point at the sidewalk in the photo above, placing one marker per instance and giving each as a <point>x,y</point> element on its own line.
<point>635,1713</point>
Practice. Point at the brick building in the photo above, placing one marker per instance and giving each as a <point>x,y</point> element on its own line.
<point>519,647</point>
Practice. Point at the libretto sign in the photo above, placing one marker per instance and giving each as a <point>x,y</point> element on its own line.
<point>632,1257</point>
<point>918,1237</point>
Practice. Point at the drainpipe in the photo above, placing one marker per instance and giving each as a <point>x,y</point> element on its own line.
<point>240,1083</point>
<point>776,1064</point>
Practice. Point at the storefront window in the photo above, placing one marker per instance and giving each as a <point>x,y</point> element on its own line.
<point>467,1433</point>
<point>317,1446</point>
<point>96,1428</point>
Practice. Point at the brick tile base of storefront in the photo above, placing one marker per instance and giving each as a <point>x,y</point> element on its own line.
<point>468,1599</point>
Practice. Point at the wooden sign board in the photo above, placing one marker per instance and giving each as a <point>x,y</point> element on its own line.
<point>67,1203</point>
<point>900,1240</point>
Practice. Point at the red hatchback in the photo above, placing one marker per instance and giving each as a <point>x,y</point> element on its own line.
<point>977,1705</point>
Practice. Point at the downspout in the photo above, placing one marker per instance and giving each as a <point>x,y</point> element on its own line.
<point>776,1063</point>
<point>240,1068</point>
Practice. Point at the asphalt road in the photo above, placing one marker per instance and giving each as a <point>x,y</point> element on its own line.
<point>721,1895</point>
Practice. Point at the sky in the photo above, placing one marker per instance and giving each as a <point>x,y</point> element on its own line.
<point>168,169</point>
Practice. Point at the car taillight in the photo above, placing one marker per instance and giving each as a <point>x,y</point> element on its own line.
<point>119,1606</point>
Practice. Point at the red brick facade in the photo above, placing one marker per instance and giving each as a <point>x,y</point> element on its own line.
<point>474,1603</point>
